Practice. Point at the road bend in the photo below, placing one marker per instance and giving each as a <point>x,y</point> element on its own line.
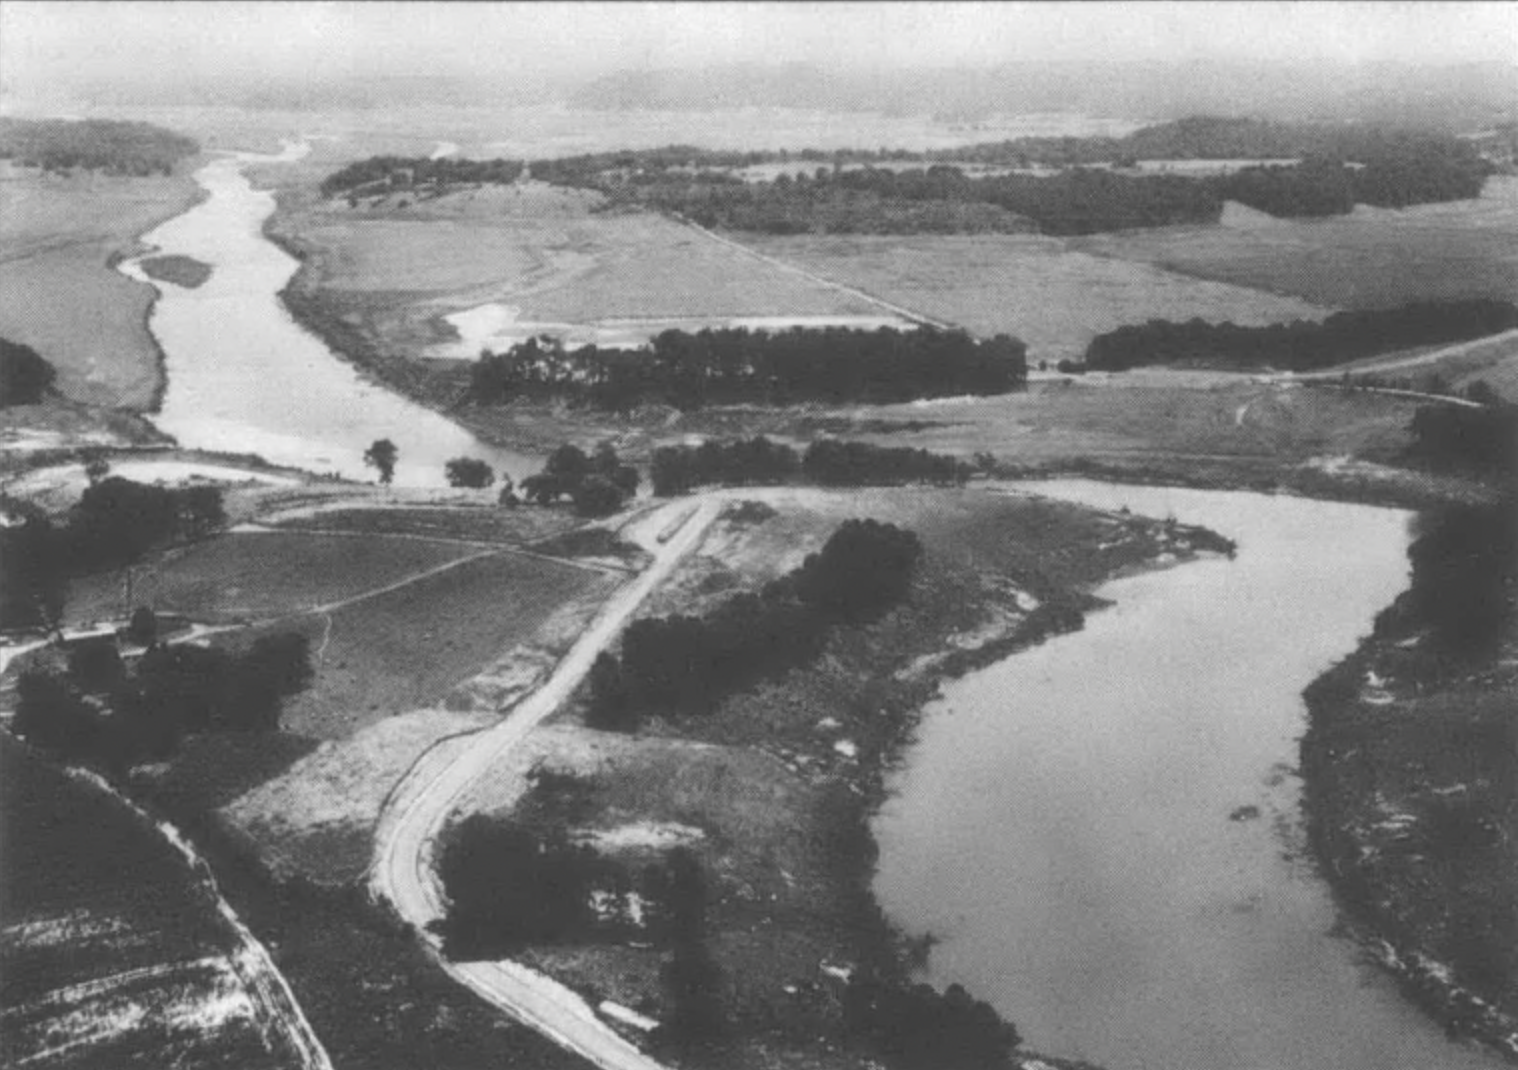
<point>408,829</point>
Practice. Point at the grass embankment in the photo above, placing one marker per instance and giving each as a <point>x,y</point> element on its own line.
<point>1411,771</point>
<point>111,955</point>
<point>774,789</point>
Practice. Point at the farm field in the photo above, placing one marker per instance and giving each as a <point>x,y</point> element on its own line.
<point>258,575</point>
<point>1372,258</point>
<point>110,955</point>
<point>408,648</point>
<point>1034,288</point>
<point>57,293</point>
<point>392,274</point>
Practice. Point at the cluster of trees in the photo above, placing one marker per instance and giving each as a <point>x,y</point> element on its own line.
<point>103,711</point>
<point>114,523</point>
<point>597,483</point>
<point>508,887</point>
<point>1462,439</point>
<point>1464,581</point>
<point>734,366</point>
<point>747,462</point>
<point>117,148</point>
<point>1302,345</point>
<point>682,665</point>
<point>25,377</point>
<point>678,469</point>
<point>382,174</point>
<point>469,472</point>
<point>919,1028</point>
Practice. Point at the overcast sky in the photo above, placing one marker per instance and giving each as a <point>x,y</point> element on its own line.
<point>61,40</point>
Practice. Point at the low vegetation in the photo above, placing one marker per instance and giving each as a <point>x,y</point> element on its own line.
<point>117,148</point>
<point>1299,346</point>
<point>1410,764</point>
<point>731,366</point>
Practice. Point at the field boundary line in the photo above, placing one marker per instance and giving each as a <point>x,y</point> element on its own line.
<point>919,318</point>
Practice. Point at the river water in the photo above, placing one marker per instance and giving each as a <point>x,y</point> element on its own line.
<point>1072,822</point>
<point>243,377</point>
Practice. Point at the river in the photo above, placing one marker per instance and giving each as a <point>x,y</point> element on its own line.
<point>1073,823</point>
<point>243,377</point>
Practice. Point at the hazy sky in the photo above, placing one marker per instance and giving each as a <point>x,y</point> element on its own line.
<point>60,40</point>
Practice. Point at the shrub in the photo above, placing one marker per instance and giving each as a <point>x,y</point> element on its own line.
<point>469,472</point>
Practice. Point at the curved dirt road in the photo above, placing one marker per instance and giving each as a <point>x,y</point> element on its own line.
<point>403,872</point>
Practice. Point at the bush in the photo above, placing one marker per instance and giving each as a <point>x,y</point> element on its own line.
<point>917,1027</point>
<point>25,378</point>
<point>863,569</point>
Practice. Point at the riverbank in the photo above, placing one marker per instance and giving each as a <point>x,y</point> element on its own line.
<point>1410,776</point>
<point>776,788</point>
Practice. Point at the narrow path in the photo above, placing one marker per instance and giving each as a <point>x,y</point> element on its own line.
<point>417,811</point>
<point>821,280</point>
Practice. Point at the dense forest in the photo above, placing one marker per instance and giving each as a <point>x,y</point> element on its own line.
<point>1331,170</point>
<point>384,174</point>
<point>1301,345</point>
<point>733,366</point>
<point>117,148</point>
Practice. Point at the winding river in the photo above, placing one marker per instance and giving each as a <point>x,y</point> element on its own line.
<point>1103,832</point>
<point>243,377</point>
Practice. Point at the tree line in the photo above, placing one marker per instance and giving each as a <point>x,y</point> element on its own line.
<point>104,711</point>
<point>378,175</point>
<point>1338,167</point>
<point>748,462</point>
<point>114,523</point>
<point>1301,345</point>
<point>682,665</point>
<point>734,366</point>
<point>109,145</point>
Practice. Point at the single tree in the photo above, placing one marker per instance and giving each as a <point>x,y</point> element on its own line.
<point>381,455</point>
<point>143,627</point>
<point>96,466</point>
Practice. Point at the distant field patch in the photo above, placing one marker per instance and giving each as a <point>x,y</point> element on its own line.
<point>408,649</point>
<point>1035,288</point>
<point>57,293</point>
<point>258,575</point>
<point>1372,258</point>
<point>508,526</point>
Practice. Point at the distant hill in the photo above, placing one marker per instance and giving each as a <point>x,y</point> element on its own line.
<point>1462,96</point>
<point>121,148</point>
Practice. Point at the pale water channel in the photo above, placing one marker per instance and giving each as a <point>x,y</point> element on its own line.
<point>1069,821</point>
<point>243,377</point>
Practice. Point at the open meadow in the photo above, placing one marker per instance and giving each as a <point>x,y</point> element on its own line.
<point>1034,288</point>
<point>1371,258</point>
<point>59,293</point>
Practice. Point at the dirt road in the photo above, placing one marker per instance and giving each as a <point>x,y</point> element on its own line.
<point>406,836</point>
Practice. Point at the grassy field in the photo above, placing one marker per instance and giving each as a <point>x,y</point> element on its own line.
<point>1035,288</point>
<point>407,649</point>
<point>396,271</point>
<point>259,575</point>
<point>1373,258</point>
<point>57,293</point>
<point>111,957</point>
